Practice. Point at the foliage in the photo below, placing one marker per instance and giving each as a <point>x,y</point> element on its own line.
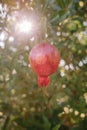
<point>62,105</point>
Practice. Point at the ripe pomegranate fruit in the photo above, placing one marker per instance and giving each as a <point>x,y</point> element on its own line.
<point>44,60</point>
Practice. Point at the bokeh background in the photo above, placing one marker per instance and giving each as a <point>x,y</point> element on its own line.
<point>63,104</point>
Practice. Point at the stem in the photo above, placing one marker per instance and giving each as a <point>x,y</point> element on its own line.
<point>45,92</point>
<point>44,28</point>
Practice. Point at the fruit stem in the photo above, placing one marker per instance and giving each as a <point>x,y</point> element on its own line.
<point>44,28</point>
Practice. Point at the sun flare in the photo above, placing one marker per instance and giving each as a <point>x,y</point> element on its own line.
<point>25,26</point>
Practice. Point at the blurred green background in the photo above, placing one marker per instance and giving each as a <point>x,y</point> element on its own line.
<point>63,104</point>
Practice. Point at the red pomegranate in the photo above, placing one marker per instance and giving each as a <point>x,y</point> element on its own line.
<point>44,60</point>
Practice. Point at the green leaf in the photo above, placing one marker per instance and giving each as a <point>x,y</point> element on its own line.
<point>59,19</point>
<point>46,123</point>
<point>63,3</point>
<point>56,127</point>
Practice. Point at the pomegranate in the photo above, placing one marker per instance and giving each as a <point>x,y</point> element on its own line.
<point>44,60</point>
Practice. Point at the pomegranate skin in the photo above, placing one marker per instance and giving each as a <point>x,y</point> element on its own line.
<point>44,59</point>
<point>43,81</point>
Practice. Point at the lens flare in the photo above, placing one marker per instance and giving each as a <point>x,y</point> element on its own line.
<point>25,26</point>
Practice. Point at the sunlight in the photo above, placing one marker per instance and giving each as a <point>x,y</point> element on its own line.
<point>25,26</point>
